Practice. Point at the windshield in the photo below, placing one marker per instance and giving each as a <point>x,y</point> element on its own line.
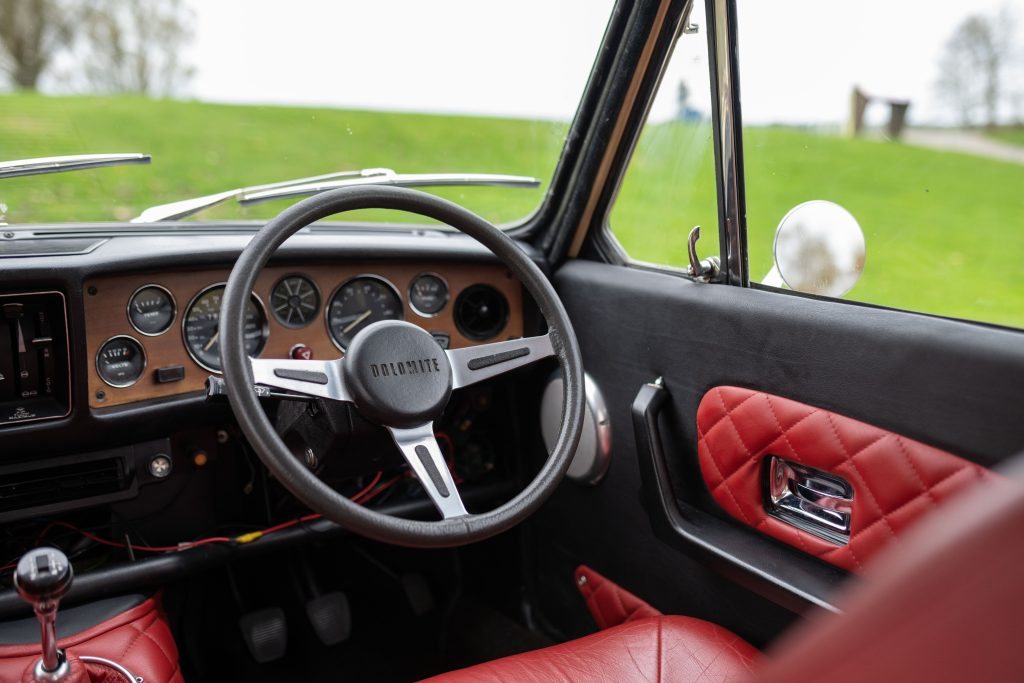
<point>234,94</point>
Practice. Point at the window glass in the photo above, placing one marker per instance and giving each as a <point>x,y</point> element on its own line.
<point>244,92</point>
<point>909,115</point>
<point>669,185</point>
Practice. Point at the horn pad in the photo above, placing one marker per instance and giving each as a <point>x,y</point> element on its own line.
<point>397,375</point>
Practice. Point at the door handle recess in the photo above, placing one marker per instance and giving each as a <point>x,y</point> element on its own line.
<point>817,502</point>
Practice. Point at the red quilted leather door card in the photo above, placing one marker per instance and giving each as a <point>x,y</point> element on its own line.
<point>896,480</point>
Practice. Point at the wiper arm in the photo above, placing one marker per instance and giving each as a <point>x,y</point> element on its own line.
<point>187,207</point>
<point>74,162</point>
<point>397,179</point>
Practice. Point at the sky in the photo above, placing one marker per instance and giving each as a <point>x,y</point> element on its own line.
<point>531,58</point>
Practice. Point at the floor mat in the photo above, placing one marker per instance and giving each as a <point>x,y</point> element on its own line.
<point>477,633</point>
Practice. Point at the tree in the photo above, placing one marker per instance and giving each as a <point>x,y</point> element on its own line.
<point>134,46</point>
<point>972,67</point>
<point>31,33</point>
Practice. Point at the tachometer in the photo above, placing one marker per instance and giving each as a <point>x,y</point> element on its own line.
<point>359,302</point>
<point>200,327</point>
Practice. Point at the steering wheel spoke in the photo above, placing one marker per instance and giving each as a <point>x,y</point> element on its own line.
<point>421,451</point>
<point>318,378</point>
<point>477,363</point>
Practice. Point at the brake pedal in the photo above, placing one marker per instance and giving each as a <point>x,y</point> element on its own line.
<point>266,634</point>
<point>330,617</point>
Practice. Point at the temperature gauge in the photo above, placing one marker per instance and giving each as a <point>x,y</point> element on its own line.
<point>121,361</point>
<point>151,310</point>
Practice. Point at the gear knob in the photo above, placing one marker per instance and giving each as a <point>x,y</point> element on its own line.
<point>43,577</point>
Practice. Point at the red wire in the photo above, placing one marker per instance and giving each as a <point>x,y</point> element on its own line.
<point>368,488</point>
<point>381,489</point>
<point>367,491</point>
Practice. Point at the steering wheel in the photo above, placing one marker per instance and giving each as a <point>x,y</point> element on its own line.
<point>396,375</point>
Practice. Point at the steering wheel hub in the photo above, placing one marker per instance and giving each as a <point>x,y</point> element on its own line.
<point>397,374</point>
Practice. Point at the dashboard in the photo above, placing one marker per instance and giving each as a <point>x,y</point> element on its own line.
<point>154,334</point>
<point>109,332</point>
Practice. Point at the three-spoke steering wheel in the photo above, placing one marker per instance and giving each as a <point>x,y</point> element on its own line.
<point>396,375</point>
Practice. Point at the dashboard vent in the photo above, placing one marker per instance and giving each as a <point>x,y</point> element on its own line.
<point>48,247</point>
<point>29,490</point>
<point>481,312</point>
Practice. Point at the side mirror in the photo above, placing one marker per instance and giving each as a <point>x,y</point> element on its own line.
<point>819,249</point>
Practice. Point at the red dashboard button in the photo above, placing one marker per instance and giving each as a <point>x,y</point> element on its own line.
<point>301,352</point>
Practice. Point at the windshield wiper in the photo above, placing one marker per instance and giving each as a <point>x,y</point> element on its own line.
<point>397,179</point>
<point>74,162</point>
<point>187,207</point>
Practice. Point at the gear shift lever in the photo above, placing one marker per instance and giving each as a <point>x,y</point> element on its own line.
<point>42,578</point>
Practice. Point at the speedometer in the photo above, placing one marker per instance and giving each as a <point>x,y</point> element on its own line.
<point>358,303</point>
<point>201,327</point>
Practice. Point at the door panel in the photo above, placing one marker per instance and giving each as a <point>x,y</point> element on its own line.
<point>895,481</point>
<point>951,386</point>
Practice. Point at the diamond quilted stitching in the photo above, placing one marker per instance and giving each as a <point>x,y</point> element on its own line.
<point>896,480</point>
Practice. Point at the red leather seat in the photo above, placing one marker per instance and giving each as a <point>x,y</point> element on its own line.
<point>946,606</point>
<point>661,648</point>
<point>139,639</point>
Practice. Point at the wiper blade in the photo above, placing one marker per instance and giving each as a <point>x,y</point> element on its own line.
<point>74,162</point>
<point>187,207</point>
<point>397,179</point>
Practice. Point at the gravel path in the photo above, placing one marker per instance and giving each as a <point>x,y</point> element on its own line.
<point>967,142</point>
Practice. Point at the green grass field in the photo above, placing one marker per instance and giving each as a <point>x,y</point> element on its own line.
<point>945,232</point>
<point>1012,134</point>
<point>201,148</point>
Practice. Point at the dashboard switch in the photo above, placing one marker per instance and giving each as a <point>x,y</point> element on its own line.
<point>301,352</point>
<point>6,363</point>
<point>170,373</point>
<point>442,339</point>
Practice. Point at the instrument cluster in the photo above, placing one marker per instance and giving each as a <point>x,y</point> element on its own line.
<point>303,313</point>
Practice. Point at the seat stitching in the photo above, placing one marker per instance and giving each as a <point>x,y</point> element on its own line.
<point>658,674</point>
<point>131,641</point>
<point>159,647</point>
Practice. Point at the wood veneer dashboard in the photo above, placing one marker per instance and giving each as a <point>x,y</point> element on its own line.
<point>107,298</point>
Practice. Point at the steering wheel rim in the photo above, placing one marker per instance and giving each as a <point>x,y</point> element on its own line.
<point>306,486</point>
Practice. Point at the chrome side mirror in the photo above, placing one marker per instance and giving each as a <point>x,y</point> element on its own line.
<point>819,249</point>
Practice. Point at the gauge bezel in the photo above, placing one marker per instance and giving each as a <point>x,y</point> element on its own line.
<point>447,294</point>
<point>184,321</point>
<point>319,299</point>
<point>334,293</point>
<point>174,309</point>
<point>145,361</point>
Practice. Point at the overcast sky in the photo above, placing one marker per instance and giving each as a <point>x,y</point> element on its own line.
<point>530,58</point>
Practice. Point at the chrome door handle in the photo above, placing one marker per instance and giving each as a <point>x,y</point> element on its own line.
<point>816,502</point>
